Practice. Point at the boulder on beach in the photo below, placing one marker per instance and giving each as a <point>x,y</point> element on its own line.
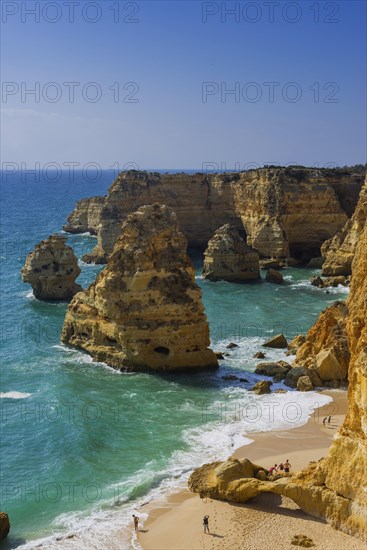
<point>293,375</point>
<point>259,355</point>
<point>304,383</point>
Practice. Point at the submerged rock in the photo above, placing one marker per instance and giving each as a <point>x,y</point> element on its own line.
<point>144,311</point>
<point>229,258</point>
<point>259,355</point>
<point>51,270</point>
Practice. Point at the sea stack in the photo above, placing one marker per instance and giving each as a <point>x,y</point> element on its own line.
<point>51,270</point>
<point>229,258</point>
<point>144,311</point>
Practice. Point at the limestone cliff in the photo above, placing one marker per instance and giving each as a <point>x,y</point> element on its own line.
<point>86,216</point>
<point>144,311</point>
<point>283,211</point>
<point>229,258</point>
<point>339,251</point>
<point>51,270</point>
<point>335,488</point>
<point>325,350</point>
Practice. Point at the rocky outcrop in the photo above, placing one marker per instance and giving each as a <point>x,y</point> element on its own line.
<point>229,258</point>
<point>278,341</point>
<point>325,350</point>
<point>334,488</point>
<point>283,211</point>
<point>274,276</point>
<point>144,311</point>
<point>51,270</point>
<point>339,251</point>
<point>4,525</point>
<point>86,216</point>
<point>236,480</point>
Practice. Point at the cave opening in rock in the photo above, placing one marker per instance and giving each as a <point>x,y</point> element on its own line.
<point>304,252</point>
<point>162,350</point>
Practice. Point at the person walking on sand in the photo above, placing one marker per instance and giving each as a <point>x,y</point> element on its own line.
<point>324,420</point>
<point>287,466</point>
<point>329,419</point>
<point>206,524</point>
<point>136,523</point>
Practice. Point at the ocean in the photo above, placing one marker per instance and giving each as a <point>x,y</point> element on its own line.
<point>82,445</point>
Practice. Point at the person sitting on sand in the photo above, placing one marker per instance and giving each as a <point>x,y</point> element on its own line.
<point>287,466</point>
<point>136,522</point>
<point>206,524</point>
<point>273,469</point>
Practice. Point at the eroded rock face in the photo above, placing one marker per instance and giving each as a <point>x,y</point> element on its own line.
<point>51,270</point>
<point>334,488</point>
<point>284,211</point>
<point>339,251</point>
<point>236,480</point>
<point>229,258</point>
<point>144,311</point>
<point>325,349</point>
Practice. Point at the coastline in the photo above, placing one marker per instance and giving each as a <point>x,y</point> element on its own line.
<point>268,521</point>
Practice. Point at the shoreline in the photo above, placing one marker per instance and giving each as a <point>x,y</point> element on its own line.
<point>176,523</point>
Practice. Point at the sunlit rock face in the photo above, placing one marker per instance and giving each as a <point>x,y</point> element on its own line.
<point>229,258</point>
<point>284,212</point>
<point>51,269</point>
<point>144,311</point>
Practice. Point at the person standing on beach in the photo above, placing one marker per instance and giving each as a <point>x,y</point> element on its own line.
<point>287,466</point>
<point>206,524</point>
<point>136,523</point>
<point>329,420</point>
<point>324,420</point>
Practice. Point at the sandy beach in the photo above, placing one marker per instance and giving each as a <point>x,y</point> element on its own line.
<point>267,521</point>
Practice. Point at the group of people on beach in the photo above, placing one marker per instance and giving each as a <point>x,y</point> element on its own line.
<point>328,419</point>
<point>281,468</point>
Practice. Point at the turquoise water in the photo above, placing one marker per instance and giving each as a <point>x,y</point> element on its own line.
<point>82,445</point>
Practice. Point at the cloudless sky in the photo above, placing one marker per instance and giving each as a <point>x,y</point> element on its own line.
<point>172,53</point>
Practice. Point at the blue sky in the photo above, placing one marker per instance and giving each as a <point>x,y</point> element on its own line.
<point>172,56</point>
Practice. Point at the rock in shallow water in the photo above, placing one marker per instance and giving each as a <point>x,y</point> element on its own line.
<point>279,341</point>
<point>51,270</point>
<point>229,258</point>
